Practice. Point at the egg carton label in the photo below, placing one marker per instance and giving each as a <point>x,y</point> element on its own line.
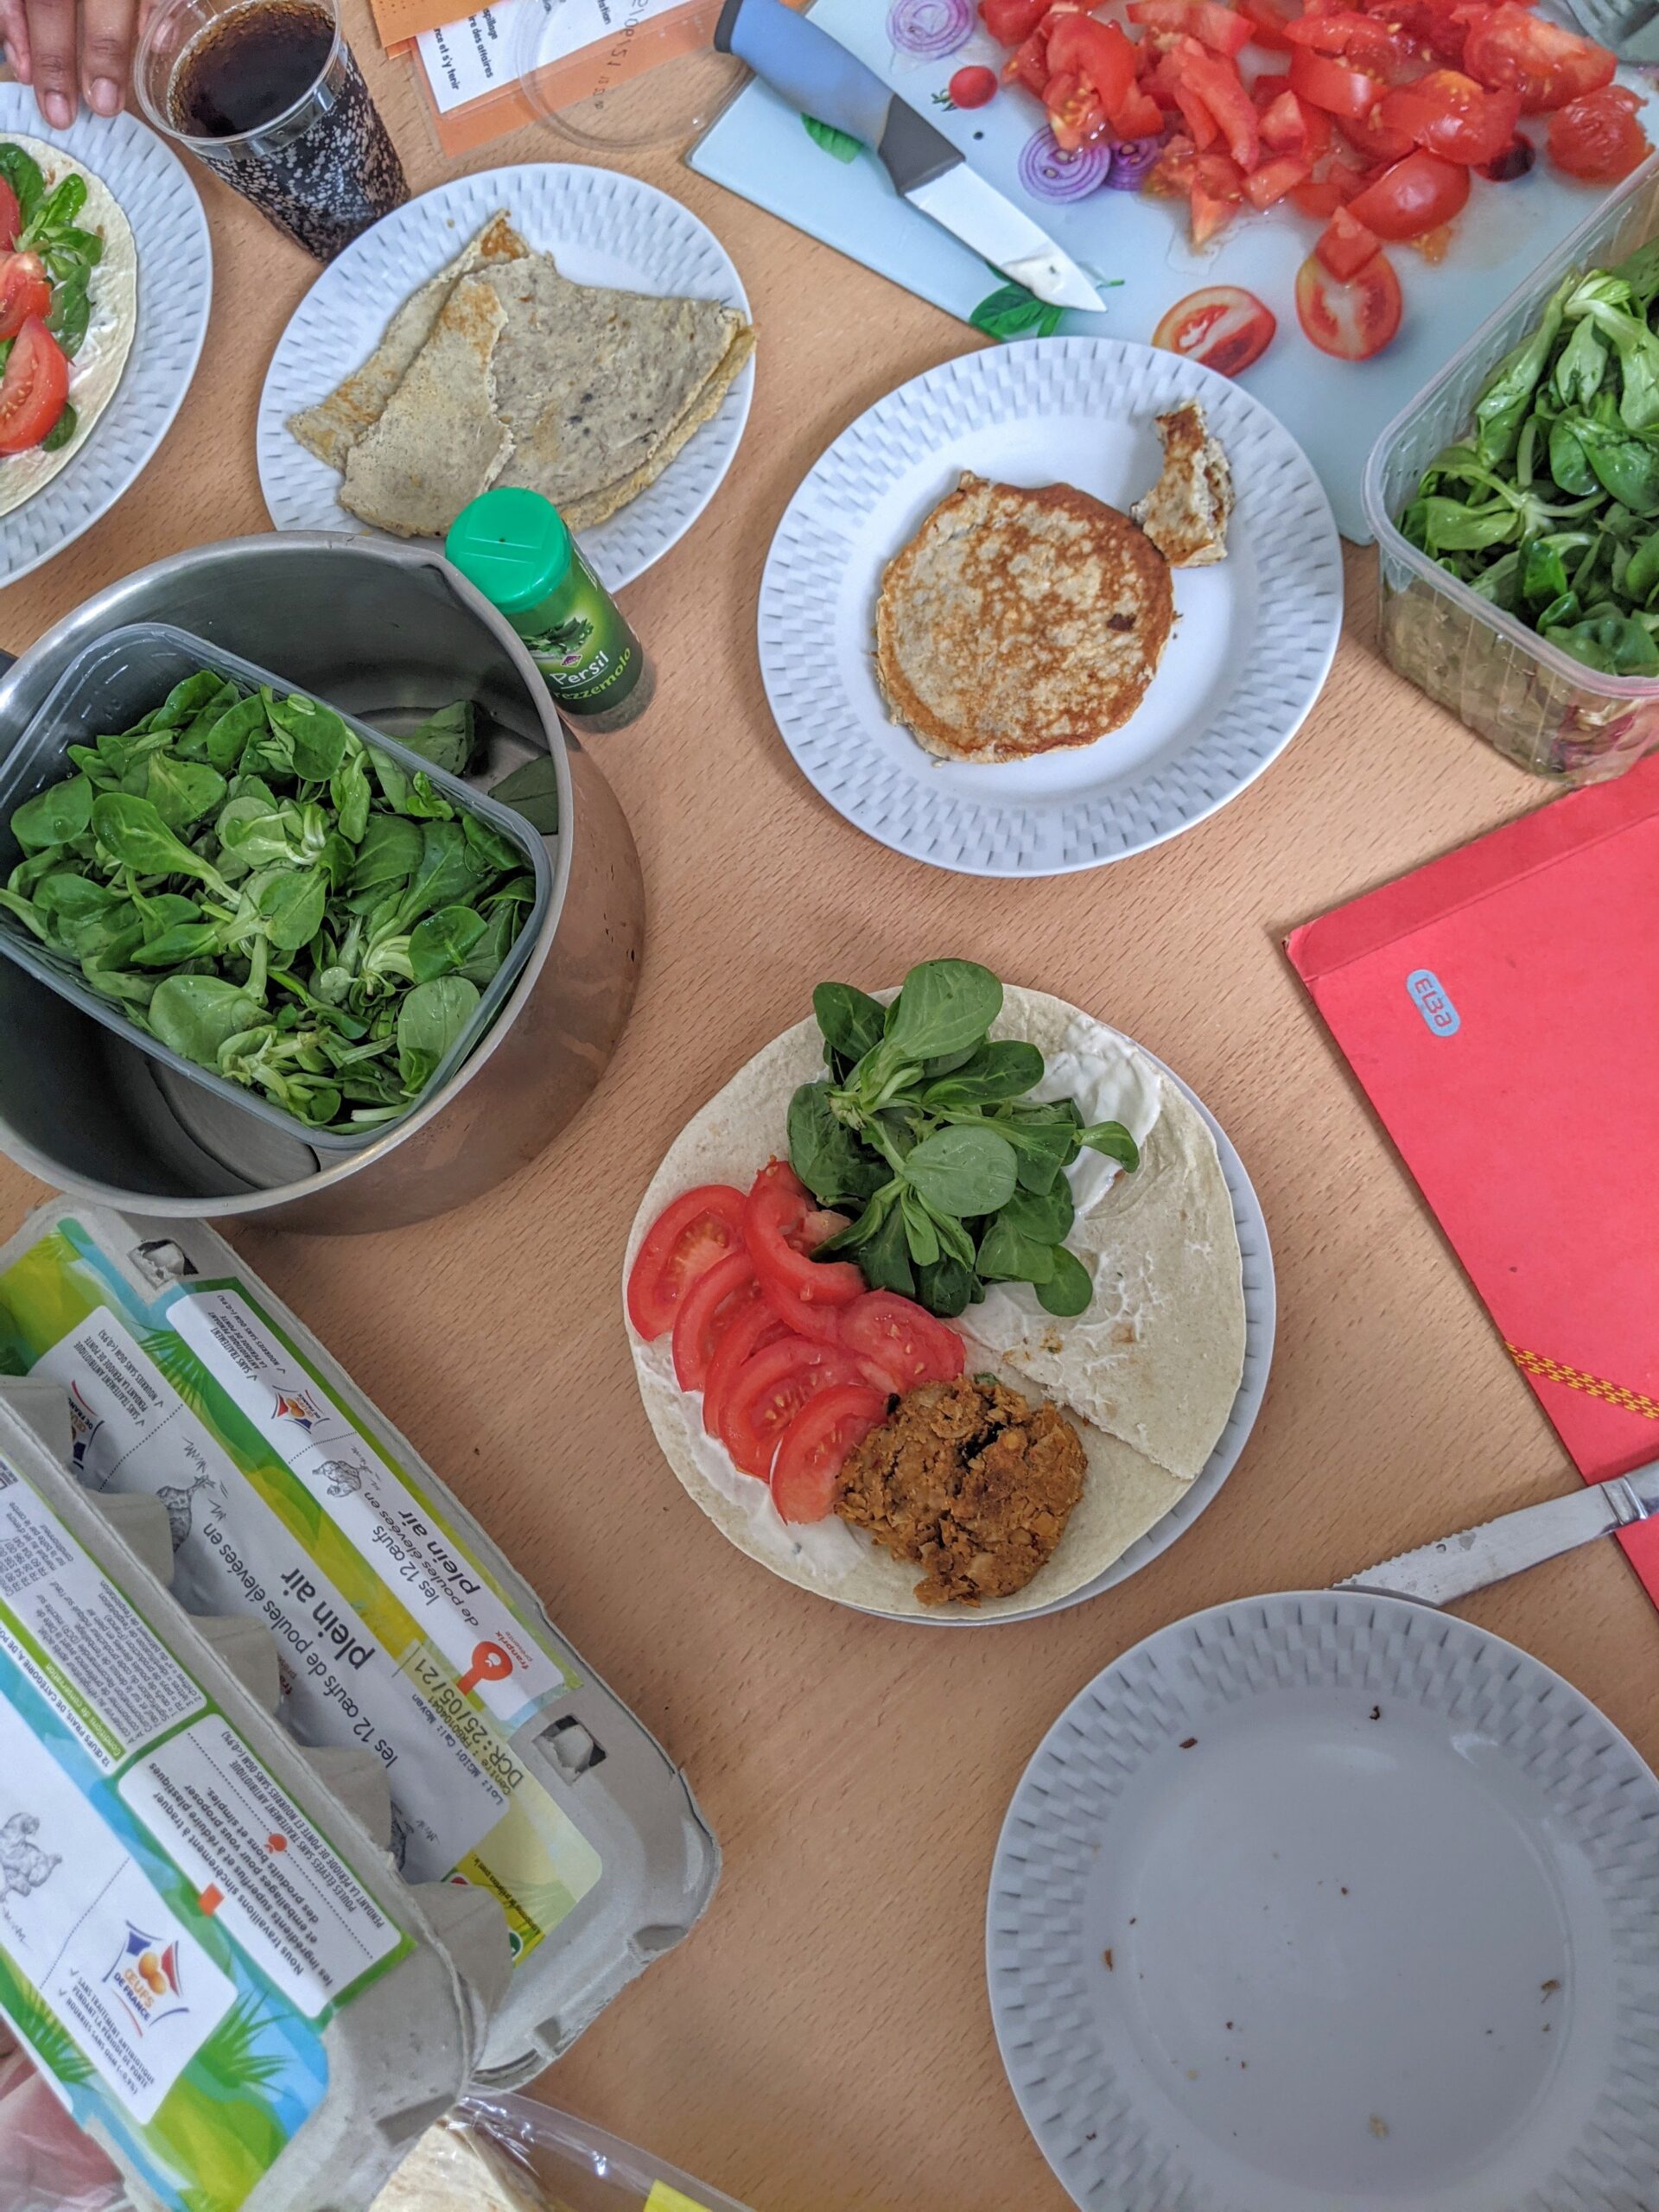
<point>77,1640</point>
<point>174,1933</point>
<point>258,1865</point>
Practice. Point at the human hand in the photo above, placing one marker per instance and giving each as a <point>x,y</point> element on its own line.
<point>67,49</point>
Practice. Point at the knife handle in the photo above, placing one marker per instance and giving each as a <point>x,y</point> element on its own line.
<point>812,71</point>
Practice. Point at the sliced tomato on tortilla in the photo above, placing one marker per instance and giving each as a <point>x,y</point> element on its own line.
<point>687,1237</point>
<point>769,1389</point>
<point>750,1329</point>
<point>815,1445</point>
<point>704,1312</point>
<point>25,289</point>
<point>35,388</point>
<point>902,1342</point>
<point>11,216</point>
<point>775,1215</point>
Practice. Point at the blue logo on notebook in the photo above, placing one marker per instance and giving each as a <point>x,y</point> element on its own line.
<point>1432,999</point>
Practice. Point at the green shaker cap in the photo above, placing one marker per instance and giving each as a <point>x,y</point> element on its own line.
<point>512,543</point>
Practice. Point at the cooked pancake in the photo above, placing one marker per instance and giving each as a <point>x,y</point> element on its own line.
<point>1187,512</point>
<point>1020,622</point>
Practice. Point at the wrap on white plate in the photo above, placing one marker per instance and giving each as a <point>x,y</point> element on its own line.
<point>1148,1373</point>
<point>95,369</point>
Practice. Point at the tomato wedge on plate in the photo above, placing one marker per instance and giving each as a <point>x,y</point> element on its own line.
<point>1416,195</point>
<point>11,216</point>
<point>1597,137</point>
<point>1351,320</point>
<point>705,1312</point>
<point>1453,117</point>
<point>774,1214</point>
<point>687,1238</point>
<point>901,1339</point>
<point>751,1327</point>
<point>35,389</point>
<point>814,1448</point>
<point>769,1389</point>
<point>1223,327</point>
<point>25,289</point>
<point>1515,51</point>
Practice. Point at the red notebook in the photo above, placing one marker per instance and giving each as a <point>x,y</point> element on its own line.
<point>1500,1008</point>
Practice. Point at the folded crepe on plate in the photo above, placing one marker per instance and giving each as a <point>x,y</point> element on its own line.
<point>1147,1374</point>
<point>592,390</point>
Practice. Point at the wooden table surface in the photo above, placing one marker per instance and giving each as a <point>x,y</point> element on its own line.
<point>822,2042</point>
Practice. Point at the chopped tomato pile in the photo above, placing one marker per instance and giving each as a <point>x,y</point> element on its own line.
<point>795,1359</point>
<point>1370,119</point>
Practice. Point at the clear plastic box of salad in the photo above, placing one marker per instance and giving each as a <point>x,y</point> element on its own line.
<point>1541,708</point>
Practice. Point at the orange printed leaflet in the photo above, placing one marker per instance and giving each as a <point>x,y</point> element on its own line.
<point>470,69</point>
<point>1500,1009</point>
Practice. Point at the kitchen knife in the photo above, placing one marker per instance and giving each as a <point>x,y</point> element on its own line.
<point>1456,1565</point>
<point>816,73</point>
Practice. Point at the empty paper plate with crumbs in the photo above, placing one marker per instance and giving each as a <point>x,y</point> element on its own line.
<point>1048,605</point>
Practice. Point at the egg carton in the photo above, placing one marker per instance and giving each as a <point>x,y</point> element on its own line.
<point>175,1369</point>
<point>224,1904</point>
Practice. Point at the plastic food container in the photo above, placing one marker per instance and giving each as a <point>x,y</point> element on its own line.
<point>110,686</point>
<point>492,2153</point>
<point>1538,706</point>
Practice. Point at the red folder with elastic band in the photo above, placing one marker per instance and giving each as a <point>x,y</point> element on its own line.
<point>1500,1008</point>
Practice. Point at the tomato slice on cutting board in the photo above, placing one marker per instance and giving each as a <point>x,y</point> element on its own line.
<point>1452,115</point>
<point>814,1448</point>
<point>1514,50</point>
<point>687,1237</point>
<point>1414,196</point>
<point>35,389</point>
<point>1597,136</point>
<point>1224,326</point>
<point>769,1389</point>
<point>1352,320</point>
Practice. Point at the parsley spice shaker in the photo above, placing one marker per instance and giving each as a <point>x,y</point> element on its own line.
<point>514,546</point>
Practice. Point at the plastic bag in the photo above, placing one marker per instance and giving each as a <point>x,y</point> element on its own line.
<point>511,2154</point>
<point>46,2164</point>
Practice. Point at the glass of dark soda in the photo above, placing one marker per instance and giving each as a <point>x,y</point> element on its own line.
<point>267,93</point>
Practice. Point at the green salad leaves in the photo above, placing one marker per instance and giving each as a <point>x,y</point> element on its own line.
<point>272,898</point>
<point>1549,507</point>
<point>926,1125</point>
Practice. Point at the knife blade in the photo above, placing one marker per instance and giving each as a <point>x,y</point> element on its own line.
<point>817,74</point>
<point>1455,1565</point>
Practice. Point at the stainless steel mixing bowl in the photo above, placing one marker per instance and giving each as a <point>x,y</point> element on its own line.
<point>390,632</point>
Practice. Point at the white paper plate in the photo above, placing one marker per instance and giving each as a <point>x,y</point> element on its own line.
<point>602,228</point>
<point>176,289</point>
<point>1260,1320</point>
<point>1332,1900</point>
<point>1248,655</point>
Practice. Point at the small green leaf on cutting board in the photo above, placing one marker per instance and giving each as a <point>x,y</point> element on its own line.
<point>1013,312</point>
<point>841,144</point>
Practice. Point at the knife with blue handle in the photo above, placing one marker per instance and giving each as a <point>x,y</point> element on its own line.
<point>816,75</point>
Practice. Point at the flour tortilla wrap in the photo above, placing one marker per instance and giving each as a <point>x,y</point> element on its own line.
<point>1156,1362</point>
<point>95,372</point>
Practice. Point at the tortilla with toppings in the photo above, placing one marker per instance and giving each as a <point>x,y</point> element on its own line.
<point>97,362</point>
<point>1147,1376</point>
